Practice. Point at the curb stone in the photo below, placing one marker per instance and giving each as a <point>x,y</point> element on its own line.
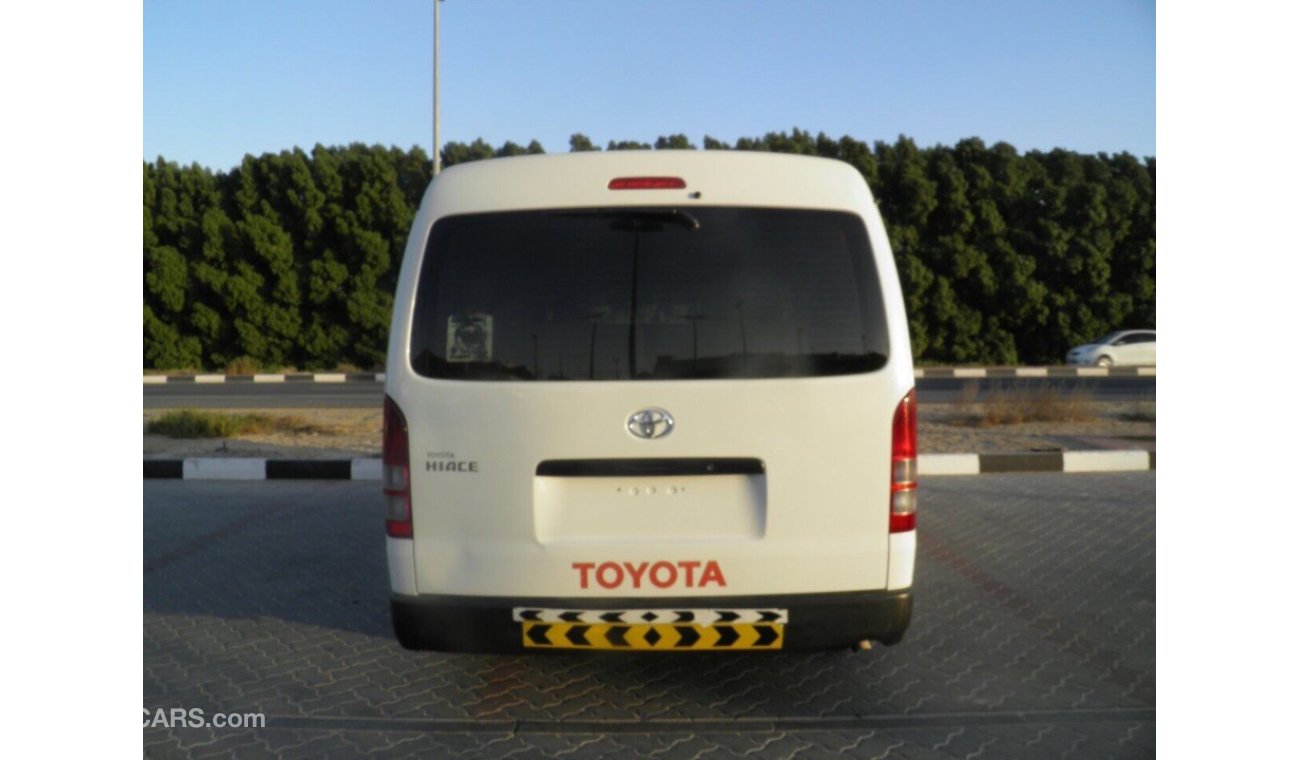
<point>931,372</point>
<point>1036,461</point>
<point>931,465</point>
<point>962,373</point>
<point>247,468</point>
<point>302,377</point>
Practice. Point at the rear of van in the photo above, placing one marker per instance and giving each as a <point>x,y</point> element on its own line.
<point>649,401</point>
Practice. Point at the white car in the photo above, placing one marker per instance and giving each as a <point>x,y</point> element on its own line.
<point>656,400</point>
<point>1126,348</point>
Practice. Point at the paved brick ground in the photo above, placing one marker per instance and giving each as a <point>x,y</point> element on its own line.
<point>1033,636</point>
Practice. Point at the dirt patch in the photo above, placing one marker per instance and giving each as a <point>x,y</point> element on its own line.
<point>941,428</point>
<point>945,429</point>
<point>351,433</point>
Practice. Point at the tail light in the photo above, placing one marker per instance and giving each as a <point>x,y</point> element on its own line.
<point>902,483</point>
<point>397,471</point>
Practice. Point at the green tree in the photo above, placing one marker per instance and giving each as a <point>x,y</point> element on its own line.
<point>628,145</point>
<point>906,199</point>
<point>458,153</point>
<point>510,149</point>
<point>579,143</point>
<point>674,142</point>
<point>176,201</point>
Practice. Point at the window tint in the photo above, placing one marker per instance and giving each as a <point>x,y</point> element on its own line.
<point>654,293</point>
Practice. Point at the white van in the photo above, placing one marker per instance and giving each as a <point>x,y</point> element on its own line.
<point>655,400</point>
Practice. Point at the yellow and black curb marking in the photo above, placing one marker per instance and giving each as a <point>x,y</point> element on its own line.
<point>668,637</point>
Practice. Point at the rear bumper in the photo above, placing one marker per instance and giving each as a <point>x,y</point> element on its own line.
<point>486,624</point>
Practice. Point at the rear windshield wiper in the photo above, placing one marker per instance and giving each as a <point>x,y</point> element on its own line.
<point>639,220</point>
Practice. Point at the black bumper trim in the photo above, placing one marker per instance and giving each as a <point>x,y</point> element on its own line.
<point>484,625</point>
<point>606,468</point>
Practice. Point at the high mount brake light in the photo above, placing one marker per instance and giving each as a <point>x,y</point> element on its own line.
<point>902,476</point>
<point>647,183</point>
<point>397,472</point>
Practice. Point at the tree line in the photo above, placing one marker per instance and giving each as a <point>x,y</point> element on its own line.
<point>291,259</point>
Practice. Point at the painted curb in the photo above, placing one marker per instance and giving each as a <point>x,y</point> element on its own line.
<point>237,468</point>
<point>967,373</point>
<point>223,469</point>
<point>947,464</point>
<point>301,377</point>
<point>928,465</point>
<point>366,469</point>
<point>959,373</point>
<point>1107,461</point>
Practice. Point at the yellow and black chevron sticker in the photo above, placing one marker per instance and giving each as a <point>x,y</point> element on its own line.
<point>660,637</point>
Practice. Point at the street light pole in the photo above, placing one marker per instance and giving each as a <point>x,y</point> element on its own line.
<point>437,151</point>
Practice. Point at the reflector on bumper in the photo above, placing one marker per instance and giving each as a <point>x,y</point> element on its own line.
<point>660,630</point>
<point>665,637</point>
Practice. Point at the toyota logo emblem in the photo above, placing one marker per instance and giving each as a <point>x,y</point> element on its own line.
<point>650,423</point>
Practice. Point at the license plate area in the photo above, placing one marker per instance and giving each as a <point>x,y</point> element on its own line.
<point>633,509</point>
<point>652,630</point>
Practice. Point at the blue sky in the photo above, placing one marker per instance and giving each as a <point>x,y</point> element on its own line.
<point>226,78</point>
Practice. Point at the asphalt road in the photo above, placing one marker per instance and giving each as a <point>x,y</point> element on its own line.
<point>247,395</point>
<point>1033,636</point>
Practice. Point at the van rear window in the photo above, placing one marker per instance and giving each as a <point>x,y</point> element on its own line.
<point>648,294</point>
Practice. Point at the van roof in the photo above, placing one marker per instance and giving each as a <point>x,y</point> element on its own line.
<point>712,178</point>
